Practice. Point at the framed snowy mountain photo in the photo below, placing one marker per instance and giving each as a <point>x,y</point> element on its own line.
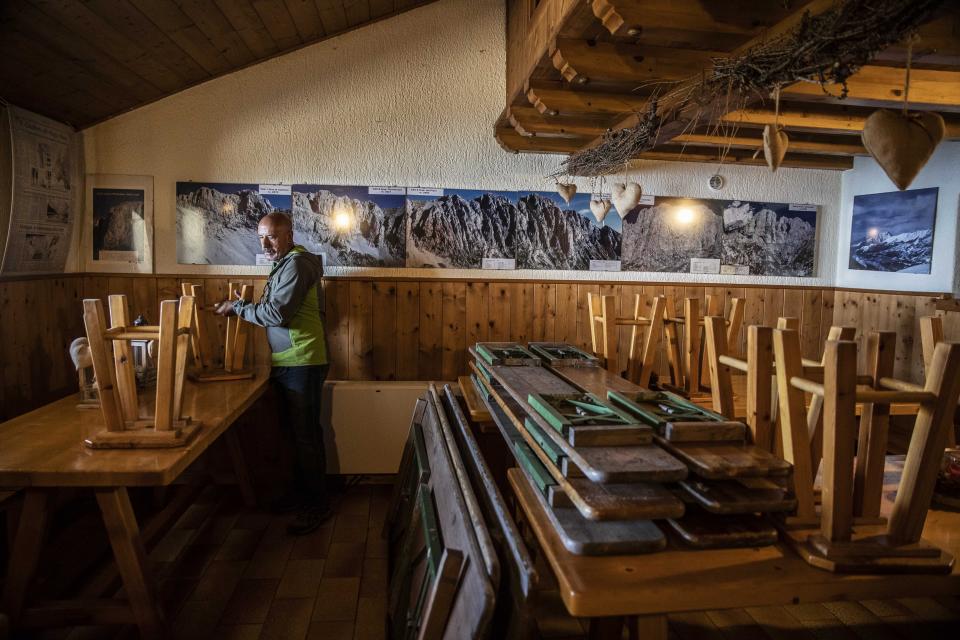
<point>893,231</point>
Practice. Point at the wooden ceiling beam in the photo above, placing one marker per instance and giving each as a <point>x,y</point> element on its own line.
<point>742,17</point>
<point>528,121</point>
<point>883,87</point>
<point>510,140</point>
<point>581,62</point>
<point>551,98</point>
<point>822,120</point>
<point>747,142</point>
<point>705,154</point>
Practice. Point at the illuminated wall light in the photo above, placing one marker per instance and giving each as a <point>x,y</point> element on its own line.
<point>342,220</point>
<point>684,216</point>
<point>873,232</point>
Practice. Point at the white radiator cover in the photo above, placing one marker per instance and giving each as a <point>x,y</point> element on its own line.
<point>365,424</point>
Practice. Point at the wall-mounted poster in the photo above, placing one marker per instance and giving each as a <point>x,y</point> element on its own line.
<point>119,235</point>
<point>351,226</point>
<point>691,235</point>
<point>217,222</point>
<point>460,228</point>
<point>552,234</point>
<point>894,231</point>
<point>769,238</point>
<point>665,236</point>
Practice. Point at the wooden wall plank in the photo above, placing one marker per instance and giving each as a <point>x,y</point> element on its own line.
<point>499,312</point>
<point>337,302</point>
<point>384,327</point>
<point>810,335</point>
<point>565,326</point>
<point>521,311</point>
<point>477,312</point>
<point>360,326</point>
<point>408,330</point>
<point>454,338</point>
<point>431,330</point>
<point>583,315</point>
<point>544,312</point>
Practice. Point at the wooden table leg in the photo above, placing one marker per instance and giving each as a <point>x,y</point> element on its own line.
<point>131,559</point>
<point>25,552</point>
<point>240,468</point>
<point>651,627</point>
<point>609,628</point>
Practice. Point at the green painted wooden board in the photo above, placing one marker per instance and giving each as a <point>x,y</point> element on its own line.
<point>561,354</point>
<point>509,354</point>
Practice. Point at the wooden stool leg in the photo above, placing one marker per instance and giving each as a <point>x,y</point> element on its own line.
<point>609,628</point>
<point>123,359</point>
<point>594,310</point>
<point>839,424</point>
<point>691,335</point>
<point>240,469</point>
<point>721,388</point>
<point>792,422</point>
<point>163,410</point>
<point>874,426</point>
<point>25,552</point>
<point>648,357</point>
<point>759,383</point>
<point>131,560</point>
<point>609,314</point>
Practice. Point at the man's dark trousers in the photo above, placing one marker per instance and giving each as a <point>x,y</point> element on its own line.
<point>299,390</point>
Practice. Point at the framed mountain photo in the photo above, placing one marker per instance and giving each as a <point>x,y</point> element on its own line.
<point>893,231</point>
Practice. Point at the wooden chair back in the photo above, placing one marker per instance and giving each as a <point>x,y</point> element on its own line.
<point>687,372</point>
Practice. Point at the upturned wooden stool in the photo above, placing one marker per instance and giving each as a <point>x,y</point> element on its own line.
<point>603,334</point>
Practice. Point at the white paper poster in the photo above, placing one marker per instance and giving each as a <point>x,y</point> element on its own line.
<point>704,265</point>
<point>604,265</point>
<point>45,177</point>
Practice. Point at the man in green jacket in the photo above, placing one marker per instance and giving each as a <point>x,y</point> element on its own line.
<point>290,310</point>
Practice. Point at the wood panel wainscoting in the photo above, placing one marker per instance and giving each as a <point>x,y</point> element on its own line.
<point>419,329</point>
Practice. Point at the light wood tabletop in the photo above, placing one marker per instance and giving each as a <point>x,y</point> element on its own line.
<point>44,448</point>
<point>678,579</point>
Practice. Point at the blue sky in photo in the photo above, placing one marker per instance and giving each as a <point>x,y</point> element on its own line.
<point>895,212</point>
<point>284,203</point>
<point>580,203</point>
<point>356,192</point>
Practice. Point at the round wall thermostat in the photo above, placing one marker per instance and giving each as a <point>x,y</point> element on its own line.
<point>716,182</point>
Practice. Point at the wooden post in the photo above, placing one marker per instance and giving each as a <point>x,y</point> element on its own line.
<point>648,357</point>
<point>839,425</point>
<point>185,316</point>
<point>102,364</point>
<point>926,446</point>
<point>759,385</point>
<point>815,411</point>
<point>230,342</point>
<point>735,320</point>
<point>673,343</point>
<point>691,336</point>
<point>635,332</point>
<point>242,331</point>
<point>123,359</point>
<point>931,332</point>
<point>198,333</point>
<point>594,310</point>
<point>609,328</point>
<point>722,388</point>
<point>793,432</point>
<point>25,552</point>
<point>874,426</point>
<point>793,324</point>
<point>166,352</point>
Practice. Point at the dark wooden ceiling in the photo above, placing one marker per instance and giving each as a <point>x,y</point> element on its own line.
<point>82,61</point>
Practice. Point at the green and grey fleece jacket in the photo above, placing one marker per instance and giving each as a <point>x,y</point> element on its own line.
<point>290,310</point>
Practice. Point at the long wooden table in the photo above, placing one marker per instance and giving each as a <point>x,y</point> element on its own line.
<point>44,449</point>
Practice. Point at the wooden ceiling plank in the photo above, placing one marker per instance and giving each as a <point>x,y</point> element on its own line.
<point>358,11</point>
<point>22,86</point>
<point>306,19</point>
<point>332,15</point>
<point>380,8</point>
<point>276,18</point>
<point>180,28</point>
<point>582,62</point>
<point>621,17</point>
<point>88,26</point>
<point>110,75</point>
<point>67,73</point>
<point>529,121</point>
<point>883,87</point>
<point>745,142</point>
<point>127,19</point>
<point>839,121</point>
<point>552,98</point>
<point>247,23</point>
<point>512,141</point>
<point>218,30</point>
<point>700,154</point>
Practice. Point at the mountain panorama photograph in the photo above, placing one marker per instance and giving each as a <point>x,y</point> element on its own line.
<point>893,231</point>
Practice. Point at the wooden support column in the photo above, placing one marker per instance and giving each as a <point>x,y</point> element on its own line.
<point>131,559</point>
<point>25,552</point>
<point>166,374</point>
<point>926,446</point>
<point>874,427</point>
<point>839,427</point>
<point>123,359</point>
<point>647,360</point>
<point>760,385</point>
<point>722,388</point>
<point>609,328</point>
<point>793,432</point>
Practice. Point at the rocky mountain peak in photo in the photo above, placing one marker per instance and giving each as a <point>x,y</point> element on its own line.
<point>771,245</point>
<point>451,231</point>
<point>374,238</point>
<point>657,238</point>
<point>549,237</point>
<point>907,252</point>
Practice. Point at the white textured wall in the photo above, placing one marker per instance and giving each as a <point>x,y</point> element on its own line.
<point>867,177</point>
<point>408,101</point>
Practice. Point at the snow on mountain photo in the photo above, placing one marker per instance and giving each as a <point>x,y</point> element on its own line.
<point>770,239</point>
<point>893,231</point>
<point>350,226</point>
<point>554,235</point>
<point>664,237</point>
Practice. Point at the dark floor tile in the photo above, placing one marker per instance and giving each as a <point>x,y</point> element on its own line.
<point>301,578</point>
<point>344,559</point>
<point>197,620</point>
<point>336,599</point>
<point>270,558</point>
<point>371,618</point>
<point>216,529</point>
<point>219,580</point>
<point>250,601</point>
<point>373,581</point>
<point>332,630</point>
<point>237,632</point>
<point>194,560</point>
<point>350,528</point>
<point>288,619</point>
<point>240,544</point>
<point>313,545</point>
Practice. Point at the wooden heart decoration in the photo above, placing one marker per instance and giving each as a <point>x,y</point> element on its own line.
<point>566,191</point>
<point>902,144</point>
<point>600,209</point>
<point>625,197</point>
<point>775,143</point>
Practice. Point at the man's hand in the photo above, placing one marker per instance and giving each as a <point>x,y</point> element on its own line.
<point>225,308</point>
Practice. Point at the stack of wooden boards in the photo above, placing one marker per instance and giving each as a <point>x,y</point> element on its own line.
<point>608,458</point>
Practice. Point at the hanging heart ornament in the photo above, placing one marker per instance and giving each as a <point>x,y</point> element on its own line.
<point>566,191</point>
<point>902,143</point>
<point>775,143</point>
<point>625,197</point>
<point>600,209</point>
